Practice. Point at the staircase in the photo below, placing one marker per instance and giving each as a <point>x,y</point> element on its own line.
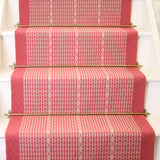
<point>148,56</point>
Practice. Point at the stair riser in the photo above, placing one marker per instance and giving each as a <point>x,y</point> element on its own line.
<point>151,102</point>
<point>3,149</point>
<point>143,57</point>
<point>74,136</point>
<point>5,97</point>
<point>76,46</point>
<point>138,13</point>
<point>78,12</point>
<point>77,90</point>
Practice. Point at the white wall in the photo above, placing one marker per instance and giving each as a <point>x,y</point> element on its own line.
<point>156,6</point>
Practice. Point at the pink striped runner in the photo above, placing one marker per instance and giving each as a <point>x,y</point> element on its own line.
<point>77,90</point>
<point>75,12</point>
<point>76,46</point>
<point>79,137</point>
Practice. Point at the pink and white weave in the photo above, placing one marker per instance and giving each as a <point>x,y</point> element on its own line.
<point>76,46</point>
<point>75,12</point>
<point>77,90</point>
<point>79,137</point>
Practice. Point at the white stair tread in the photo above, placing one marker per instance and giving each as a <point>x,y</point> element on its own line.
<point>150,74</point>
<point>153,120</point>
<point>7,33</point>
<point>155,123</point>
<point>143,32</point>
<point>3,125</point>
<point>5,75</point>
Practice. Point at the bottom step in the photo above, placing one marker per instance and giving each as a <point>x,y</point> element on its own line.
<point>80,137</point>
<point>153,120</point>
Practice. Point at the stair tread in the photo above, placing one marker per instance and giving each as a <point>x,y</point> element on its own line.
<point>151,76</point>
<point>95,135</point>
<point>152,119</point>
<point>3,126</point>
<point>5,75</point>
<point>141,32</point>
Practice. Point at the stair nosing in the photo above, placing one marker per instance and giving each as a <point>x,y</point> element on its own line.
<point>141,32</point>
<point>149,119</point>
<point>6,74</point>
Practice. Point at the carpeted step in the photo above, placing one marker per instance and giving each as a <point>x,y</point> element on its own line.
<point>76,46</point>
<point>75,12</point>
<point>79,137</point>
<point>77,90</point>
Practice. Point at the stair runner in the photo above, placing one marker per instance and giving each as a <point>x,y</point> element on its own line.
<point>75,12</point>
<point>76,46</point>
<point>77,89</point>
<point>79,137</point>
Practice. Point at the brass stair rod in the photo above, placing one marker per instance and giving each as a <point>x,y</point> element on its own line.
<point>47,66</point>
<point>72,114</point>
<point>19,25</point>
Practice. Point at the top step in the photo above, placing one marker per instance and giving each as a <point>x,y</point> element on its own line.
<point>75,12</point>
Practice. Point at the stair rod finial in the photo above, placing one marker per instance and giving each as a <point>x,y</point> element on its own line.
<point>16,25</point>
<point>13,66</point>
